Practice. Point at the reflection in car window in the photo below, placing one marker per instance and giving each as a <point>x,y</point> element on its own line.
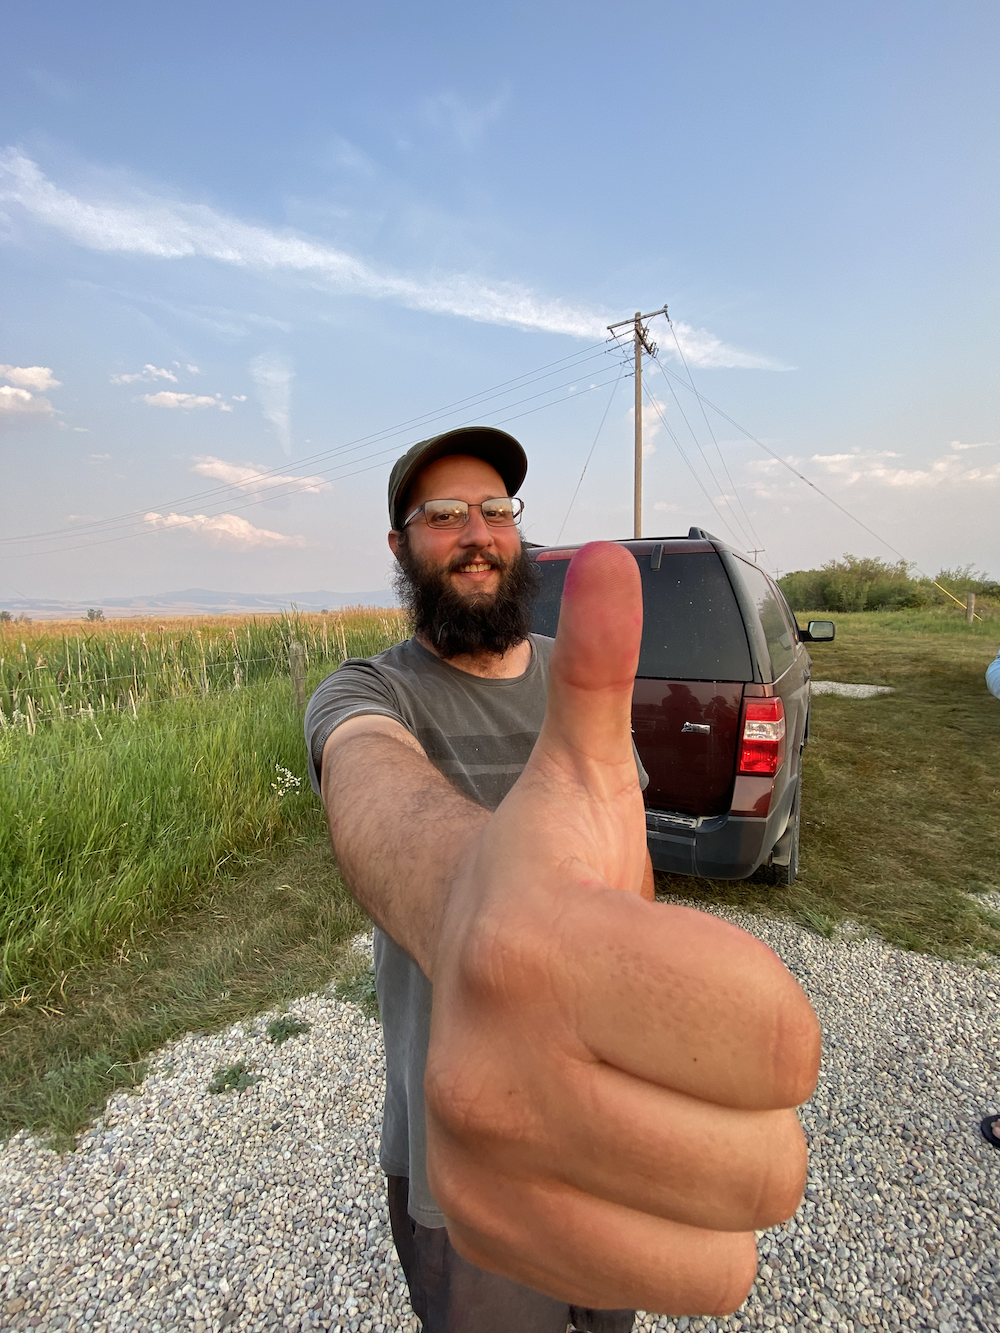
<point>692,626</point>
<point>776,628</point>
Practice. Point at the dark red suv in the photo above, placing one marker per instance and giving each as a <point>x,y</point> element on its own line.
<point>720,711</point>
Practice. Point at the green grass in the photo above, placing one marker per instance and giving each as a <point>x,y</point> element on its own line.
<point>113,822</point>
<point>155,881</point>
<point>901,794</point>
<point>233,1078</point>
<point>252,942</point>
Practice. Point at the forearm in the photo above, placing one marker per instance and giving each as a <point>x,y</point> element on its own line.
<point>400,832</point>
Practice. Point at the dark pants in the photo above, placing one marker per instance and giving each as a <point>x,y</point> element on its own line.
<point>450,1295</point>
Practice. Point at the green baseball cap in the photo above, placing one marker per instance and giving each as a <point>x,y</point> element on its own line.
<point>493,446</point>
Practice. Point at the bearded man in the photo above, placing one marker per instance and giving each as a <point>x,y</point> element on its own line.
<point>587,1094</point>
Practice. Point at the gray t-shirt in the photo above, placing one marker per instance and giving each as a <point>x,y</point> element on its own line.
<point>479,733</point>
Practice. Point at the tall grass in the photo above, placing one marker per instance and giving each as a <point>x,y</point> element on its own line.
<point>50,674</point>
<point>114,815</point>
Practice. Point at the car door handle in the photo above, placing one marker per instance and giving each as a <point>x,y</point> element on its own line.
<point>702,728</point>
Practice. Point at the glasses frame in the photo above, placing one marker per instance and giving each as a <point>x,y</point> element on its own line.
<point>514,499</point>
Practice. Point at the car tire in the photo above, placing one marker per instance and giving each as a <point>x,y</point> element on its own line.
<point>782,875</point>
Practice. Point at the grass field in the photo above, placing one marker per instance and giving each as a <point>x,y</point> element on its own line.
<point>133,773</point>
<point>901,793</point>
<point>160,873</point>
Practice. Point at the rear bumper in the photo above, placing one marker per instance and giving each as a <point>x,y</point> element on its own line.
<point>720,847</point>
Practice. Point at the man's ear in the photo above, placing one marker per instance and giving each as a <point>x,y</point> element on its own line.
<point>394,541</point>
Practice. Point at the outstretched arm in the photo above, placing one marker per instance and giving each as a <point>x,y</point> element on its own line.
<point>400,830</point>
<point>609,1081</point>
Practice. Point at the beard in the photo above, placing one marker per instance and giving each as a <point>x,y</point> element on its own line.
<point>484,623</point>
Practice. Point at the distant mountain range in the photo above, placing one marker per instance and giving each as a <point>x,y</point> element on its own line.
<point>197,602</point>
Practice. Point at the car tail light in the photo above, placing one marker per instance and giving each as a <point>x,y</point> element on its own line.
<point>762,745</point>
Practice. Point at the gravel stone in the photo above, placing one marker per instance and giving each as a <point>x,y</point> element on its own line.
<point>265,1209</point>
<point>850,691</point>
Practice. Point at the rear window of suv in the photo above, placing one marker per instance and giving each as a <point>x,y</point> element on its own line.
<point>692,628</point>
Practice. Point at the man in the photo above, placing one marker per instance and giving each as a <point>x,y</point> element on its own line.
<point>588,1095</point>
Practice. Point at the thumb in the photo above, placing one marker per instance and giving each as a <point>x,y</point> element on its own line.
<point>594,661</point>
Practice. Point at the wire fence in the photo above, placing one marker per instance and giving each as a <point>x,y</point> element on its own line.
<point>50,680</point>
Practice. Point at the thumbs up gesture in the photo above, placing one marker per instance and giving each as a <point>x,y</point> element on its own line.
<point>611,1082</point>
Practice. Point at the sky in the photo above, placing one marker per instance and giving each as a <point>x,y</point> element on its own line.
<point>251,254</point>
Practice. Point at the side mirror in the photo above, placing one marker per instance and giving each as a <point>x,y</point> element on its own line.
<point>820,631</point>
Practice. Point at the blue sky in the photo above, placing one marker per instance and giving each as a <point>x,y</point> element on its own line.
<point>244,243</point>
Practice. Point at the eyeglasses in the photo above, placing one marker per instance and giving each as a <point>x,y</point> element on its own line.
<point>445,514</point>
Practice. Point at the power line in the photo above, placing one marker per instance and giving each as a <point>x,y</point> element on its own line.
<point>746,537</point>
<point>572,502</point>
<point>718,450</point>
<point>127,536</point>
<point>677,444</point>
<point>592,352</point>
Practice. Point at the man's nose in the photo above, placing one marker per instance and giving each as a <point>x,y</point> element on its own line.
<point>477,531</point>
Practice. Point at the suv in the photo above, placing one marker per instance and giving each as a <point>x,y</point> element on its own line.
<point>720,711</point>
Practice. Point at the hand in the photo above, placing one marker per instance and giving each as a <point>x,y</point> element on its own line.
<point>609,1080</point>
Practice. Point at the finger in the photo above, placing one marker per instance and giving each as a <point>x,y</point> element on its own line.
<point>687,1001</point>
<point>595,1254</point>
<point>673,1156</point>
<point>594,661</point>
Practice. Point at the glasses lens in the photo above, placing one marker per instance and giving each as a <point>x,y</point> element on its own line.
<point>499,513</point>
<point>445,513</point>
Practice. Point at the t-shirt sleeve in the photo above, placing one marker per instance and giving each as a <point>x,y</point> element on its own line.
<point>356,688</point>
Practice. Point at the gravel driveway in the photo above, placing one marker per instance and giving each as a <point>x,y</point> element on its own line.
<point>264,1209</point>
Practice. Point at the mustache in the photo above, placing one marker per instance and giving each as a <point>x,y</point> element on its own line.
<point>481,558</point>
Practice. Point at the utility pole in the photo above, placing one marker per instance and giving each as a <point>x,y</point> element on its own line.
<point>641,341</point>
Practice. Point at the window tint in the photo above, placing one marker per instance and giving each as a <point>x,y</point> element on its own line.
<point>777,632</point>
<point>692,627</point>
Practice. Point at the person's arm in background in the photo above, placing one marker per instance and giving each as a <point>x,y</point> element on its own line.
<point>993,676</point>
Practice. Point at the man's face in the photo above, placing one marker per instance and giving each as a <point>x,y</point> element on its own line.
<point>469,589</point>
<point>455,553</point>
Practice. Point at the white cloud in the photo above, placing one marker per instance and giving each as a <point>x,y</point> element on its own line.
<point>193,370</point>
<point>167,229</point>
<point>148,373</point>
<point>273,378</point>
<point>19,407</point>
<point>188,401</point>
<point>465,121</point>
<point>986,444</point>
<point>82,430</point>
<point>224,530</point>
<point>100,458</point>
<point>238,397</point>
<point>873,467</point>
<point>38,378</point>
<point>246,477</point>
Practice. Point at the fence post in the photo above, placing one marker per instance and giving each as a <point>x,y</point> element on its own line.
<point>297,667</point>
<point>970,607</point>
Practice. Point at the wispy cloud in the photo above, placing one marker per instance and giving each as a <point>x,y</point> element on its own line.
<point>38,378</point>
<point>876,467</point>
<point>273,377</point>
<point>223,530</point>
<point>188,401</point>
<point>20,407</point>
<point>465,121</point>
<point>148,373</point>
<point>247,477</point>
<point>165,228</point>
